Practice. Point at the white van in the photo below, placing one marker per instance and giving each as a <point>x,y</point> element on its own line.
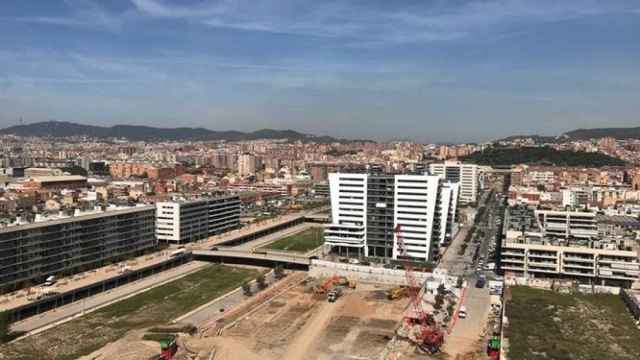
<point>462,312</point>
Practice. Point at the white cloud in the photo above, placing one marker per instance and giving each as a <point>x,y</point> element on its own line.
<point>83,14</point>
<point>367,23</point>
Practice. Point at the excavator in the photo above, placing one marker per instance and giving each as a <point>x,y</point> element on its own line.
<point>398,292</point>
<point>329,283</point>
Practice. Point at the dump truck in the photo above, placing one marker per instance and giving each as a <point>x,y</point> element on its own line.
<point>334,294</point>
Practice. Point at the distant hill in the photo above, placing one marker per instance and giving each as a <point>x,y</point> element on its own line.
<point>618,133</point>
<point>580,134</point>
<point>61,129</point>
<point>541,156</point>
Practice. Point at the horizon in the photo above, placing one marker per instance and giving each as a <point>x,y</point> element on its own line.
<point>469,71</point>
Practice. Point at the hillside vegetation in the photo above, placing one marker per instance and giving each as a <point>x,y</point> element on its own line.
<point>541,156</point>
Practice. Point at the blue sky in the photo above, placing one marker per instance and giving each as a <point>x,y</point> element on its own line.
<point>428,70</point>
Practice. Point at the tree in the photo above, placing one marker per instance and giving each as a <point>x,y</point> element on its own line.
<point>262,283</point>
<point>450,309</point>
<point>246,289</point>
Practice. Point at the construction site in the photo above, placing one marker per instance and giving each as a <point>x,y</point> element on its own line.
<point>297,318</point>
<point>334,311</point>
<point>304,317</point>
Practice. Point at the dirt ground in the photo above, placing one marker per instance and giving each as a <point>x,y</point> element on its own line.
<point>301,326</point>
<point>293,324</point>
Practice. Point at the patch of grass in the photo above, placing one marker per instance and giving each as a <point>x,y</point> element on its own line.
<point>544,325</point>
<point>158,337</point>
<point>303,241</point>
<point>151,308</point>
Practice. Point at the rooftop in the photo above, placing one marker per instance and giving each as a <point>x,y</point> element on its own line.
<point>78,216</point>
<point>62,178</point>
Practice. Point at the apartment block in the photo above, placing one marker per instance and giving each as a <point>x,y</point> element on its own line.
<point>66,245</point>
<point>366,208</point>
<point>567,224</point>
<point>464,174</point>
<point>545,259</point>
<point>567,244</point>
<point>185,221</point>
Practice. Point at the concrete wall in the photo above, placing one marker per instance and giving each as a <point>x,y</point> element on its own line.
<point>322,268</point>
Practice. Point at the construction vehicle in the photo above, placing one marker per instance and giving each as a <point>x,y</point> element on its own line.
<point>326,285</point>
<point>168,349</point>
<point>425,336</point>
<point>493,347</point>
<point>344,281</point>
<point>397,292</point>
<point>334,294</point>
<point>331,282</point>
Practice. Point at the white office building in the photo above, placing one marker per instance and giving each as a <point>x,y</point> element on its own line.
<point>464,174</point>
<point>185,221</point>
<point>366,208</point>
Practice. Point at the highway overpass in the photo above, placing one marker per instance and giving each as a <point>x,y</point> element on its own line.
<point>261,258</point>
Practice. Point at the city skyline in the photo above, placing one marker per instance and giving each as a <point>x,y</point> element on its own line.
<point>469,71</point>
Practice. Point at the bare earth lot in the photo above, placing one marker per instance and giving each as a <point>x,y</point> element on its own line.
<point>301,326</point>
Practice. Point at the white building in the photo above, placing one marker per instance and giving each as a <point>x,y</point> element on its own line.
<point>348,212</point>
<point>567,224</point>
<point>185,221</point>
<point>367,208</point>
<point>568,244</point>
<point>246,165</point>
<point>464,174</point>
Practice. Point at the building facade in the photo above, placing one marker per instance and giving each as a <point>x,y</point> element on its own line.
<point>568,244</point>
<point>367,208</point>
<point>181,222</point>
<point>464,174</point>
<point>31,252</point>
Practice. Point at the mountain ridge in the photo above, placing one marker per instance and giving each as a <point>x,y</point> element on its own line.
<point>619,133</point>
<point>60,129</point>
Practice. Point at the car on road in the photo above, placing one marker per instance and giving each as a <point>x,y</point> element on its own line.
<point>481,282</point>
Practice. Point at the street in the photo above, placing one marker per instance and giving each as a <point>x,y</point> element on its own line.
<point>467,333</point>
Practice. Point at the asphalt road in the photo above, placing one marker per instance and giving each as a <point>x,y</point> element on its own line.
<point>467,332</point>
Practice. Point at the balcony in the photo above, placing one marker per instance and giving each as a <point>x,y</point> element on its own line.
<point>578,266</point>
<point>542,264</point>
<point>543,255</point>
<point>579,273</point>
<point>579,258</point>
<point>539,270</point>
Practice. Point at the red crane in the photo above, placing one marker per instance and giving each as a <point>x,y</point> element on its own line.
<point>429,339</point>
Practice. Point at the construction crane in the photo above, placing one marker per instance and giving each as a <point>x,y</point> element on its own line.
<point>427,338</point>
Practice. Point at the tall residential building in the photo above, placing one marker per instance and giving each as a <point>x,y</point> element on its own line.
<point>66,245</point>
<point>319,172</point>
<point>181,222</point>
<point>246,165</point>
<point>464,174</point>
<point>366,208</point>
